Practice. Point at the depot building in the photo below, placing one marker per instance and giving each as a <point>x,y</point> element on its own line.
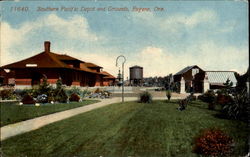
<point>71,71</point>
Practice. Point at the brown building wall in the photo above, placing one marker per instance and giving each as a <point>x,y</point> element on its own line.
<point>33,76</point>
<point>23,81</point>
<point>99,80</point>
<point>108,82</point>
<point>196,81</point>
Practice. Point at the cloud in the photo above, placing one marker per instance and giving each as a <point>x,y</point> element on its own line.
<point>218,57</point>
<point>154,60</point>
<point>9,38</point>
<point>157,60</point>
<point>176,22</point>
<point>208,55</point>
<point>228,26</point>
<point>202,16</point>
<point>73,28</point>
<point>179,22</point>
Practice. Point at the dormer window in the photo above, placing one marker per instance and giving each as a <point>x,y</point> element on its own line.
<point>31,65</point>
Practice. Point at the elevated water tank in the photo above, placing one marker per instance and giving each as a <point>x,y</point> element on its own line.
<point>136,75</point>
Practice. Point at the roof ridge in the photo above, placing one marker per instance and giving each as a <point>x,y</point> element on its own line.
<point>21,60</point>
<point>53,57</point>
<point>59,55</point>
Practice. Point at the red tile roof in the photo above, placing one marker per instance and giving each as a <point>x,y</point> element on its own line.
<point>65,57</point>
<point>48,60</point>
<point>92,65</point>
<point>108,75</point>
<point>42,60</point>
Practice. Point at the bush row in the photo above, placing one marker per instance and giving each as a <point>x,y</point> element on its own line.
<point>233,104</point>
<point>45,93</point>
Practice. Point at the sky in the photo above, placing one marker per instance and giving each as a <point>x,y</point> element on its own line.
<point>164,39</point>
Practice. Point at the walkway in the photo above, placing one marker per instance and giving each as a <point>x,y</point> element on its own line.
<point>33,124</point>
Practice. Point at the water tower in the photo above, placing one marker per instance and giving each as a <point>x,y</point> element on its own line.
<point>136,75</point>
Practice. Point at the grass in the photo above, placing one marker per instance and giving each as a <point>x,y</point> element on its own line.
<point>129,129</point>
<point>12,112</point>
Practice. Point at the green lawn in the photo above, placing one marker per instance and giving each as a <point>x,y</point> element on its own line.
<point>129,129</point>
<point>12,113</point>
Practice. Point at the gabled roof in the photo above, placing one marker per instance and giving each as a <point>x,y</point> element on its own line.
<point>220,77</point>
<point>187,69</point>
<point>65,57</point>
<point>47,60</point>
<point>108,75</point>
<point>42,60</point>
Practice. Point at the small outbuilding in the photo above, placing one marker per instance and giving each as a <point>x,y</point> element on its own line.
<point>195,79</point>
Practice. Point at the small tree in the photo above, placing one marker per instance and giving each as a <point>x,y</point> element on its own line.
<point>59,93</point>
<point>176,87</point>
<point>168,94</point>
<point>227,87</point>
<point>7,94</point>
<point>44,90</point>
<point>44,87</point>
<point>59,84</point>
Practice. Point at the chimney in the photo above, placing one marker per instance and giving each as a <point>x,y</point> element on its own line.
<point>47,46</point>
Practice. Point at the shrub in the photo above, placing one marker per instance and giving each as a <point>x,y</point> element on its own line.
<point>97,90</point>
<point>28,99</point>
<point>34,92</point>
<point>20,93</point>
<point>85,93</point>
<point>234,101</point>
<point>211,106</point>
<point>208,97</point>
<point>44,87</point>
<point>176,87</point>
<point>74,97</point>
<point>51,95</point>
<point>237,108</point>
<point>223,99</point>
<point>106,94</point>
<point>168,94</point>
<point>145,97</point>
<point>213,142</point>
<point>61,96</point>
<point>78,91</point>
<point>191,97</point>
<point>43,98</point>
<point>73,90</point>
<point>59,93</point>
<point>7,94</point>
<point>183,104</point>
